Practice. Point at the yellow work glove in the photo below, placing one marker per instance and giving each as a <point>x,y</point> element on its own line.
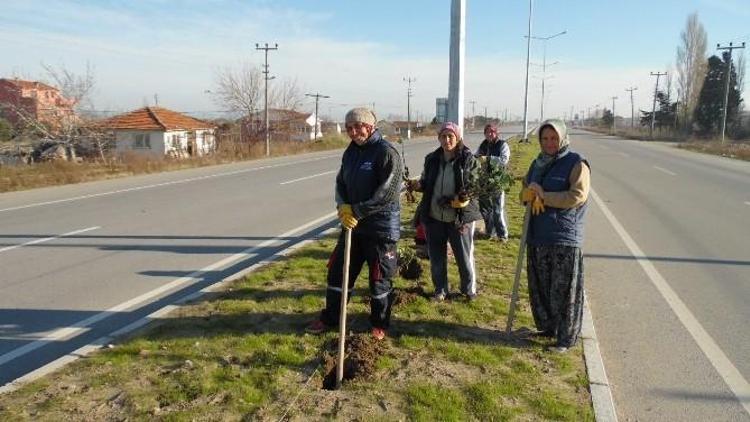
<point>537,207</point>
<point>457,203</point>
<point>346,216</point>
<point>527,195</point>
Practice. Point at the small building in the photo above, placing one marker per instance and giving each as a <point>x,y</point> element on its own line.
<point>161,132</point>
<point>284,125</point>
<point>37,101</point>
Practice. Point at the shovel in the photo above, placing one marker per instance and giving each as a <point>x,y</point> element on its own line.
<point>519,267</point>
<point>342,313</point>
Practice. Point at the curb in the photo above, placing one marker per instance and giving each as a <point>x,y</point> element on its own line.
<point>601,392</point>
<point>106,341</point>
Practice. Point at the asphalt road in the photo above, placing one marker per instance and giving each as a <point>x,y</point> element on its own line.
<point>80,262</point>
<point>669,288</point>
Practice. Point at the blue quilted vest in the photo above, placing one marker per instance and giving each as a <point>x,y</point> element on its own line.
<point>557,226</point>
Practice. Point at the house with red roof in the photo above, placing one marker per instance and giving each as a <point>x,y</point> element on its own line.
<point>20,100</point>
<point>158,131</point>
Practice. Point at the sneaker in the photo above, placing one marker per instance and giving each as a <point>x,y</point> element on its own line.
<point>471,297</point>
<point>438,297</point>
<point>378,333</point>
<point>559,349</point>
<point>317,327</point>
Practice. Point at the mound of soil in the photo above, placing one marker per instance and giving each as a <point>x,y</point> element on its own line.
<point>407,296</point>
<point>412,270</point>
<point>361,355</point>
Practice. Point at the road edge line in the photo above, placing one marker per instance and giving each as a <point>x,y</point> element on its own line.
<point>599,387</point>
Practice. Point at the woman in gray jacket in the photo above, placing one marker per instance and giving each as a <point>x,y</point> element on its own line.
<point>448,211</point>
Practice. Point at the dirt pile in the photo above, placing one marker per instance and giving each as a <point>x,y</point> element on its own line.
<point>361,355</point>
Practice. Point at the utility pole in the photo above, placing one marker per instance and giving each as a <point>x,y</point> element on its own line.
<point>408,81</point>
<point>653,108</point>
<point>473,113</point>
<point>456,64</point>
<point>632,107</point>
<point>524,137</point>
<point>613,115</point>
<point>317,97</point>
<point>544,65</point>
<point>266,73</point>
<point>728,77</point>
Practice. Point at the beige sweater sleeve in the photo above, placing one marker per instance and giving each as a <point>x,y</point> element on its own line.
<point>580,184</point>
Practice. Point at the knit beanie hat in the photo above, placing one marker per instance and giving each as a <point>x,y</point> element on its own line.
<point>450,126</point>
<point>361,115</point>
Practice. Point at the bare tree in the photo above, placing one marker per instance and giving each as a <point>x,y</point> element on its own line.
<point>238,90</point>
<point>691,65</point>
<point>286,95</point>
<point>73,86</point>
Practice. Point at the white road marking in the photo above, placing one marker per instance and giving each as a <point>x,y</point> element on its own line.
<point>156,185</point>
<point>307,177</point>
<point>663,170</point>
<point>747,202</point>
<point>732,377</point>
<point>47,239</point>
<point>81,327</point>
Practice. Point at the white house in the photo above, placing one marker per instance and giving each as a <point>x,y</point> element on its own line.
<point>284,125</point>
<point>159,132</point>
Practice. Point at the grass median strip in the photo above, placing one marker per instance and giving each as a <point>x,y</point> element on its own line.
<point>243,354</point>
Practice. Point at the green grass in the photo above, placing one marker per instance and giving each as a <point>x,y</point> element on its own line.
<point>242,354</point>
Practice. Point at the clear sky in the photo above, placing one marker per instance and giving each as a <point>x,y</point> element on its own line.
<point>358,52</point>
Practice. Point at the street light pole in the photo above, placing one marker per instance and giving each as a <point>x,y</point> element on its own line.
<point>726,86</point>
<point>544,64</point>
<point>266,48</point>
<point>526,94</point>
<point>317,97</point>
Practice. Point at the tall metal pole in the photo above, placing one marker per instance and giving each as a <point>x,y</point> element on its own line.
<point>317,97</point>
<point>632,109</point>
<point>266,48</point>
<point>526,94</point>
<point>653,107</point>
<point>408,81</point>
<point>728,77</point>
<point>457,56</point>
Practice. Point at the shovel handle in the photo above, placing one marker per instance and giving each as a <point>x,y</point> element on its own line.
<point>342,313</point>
<point>519,267</point>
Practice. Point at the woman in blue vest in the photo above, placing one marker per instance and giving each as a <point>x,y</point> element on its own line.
<point>557,184</point>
